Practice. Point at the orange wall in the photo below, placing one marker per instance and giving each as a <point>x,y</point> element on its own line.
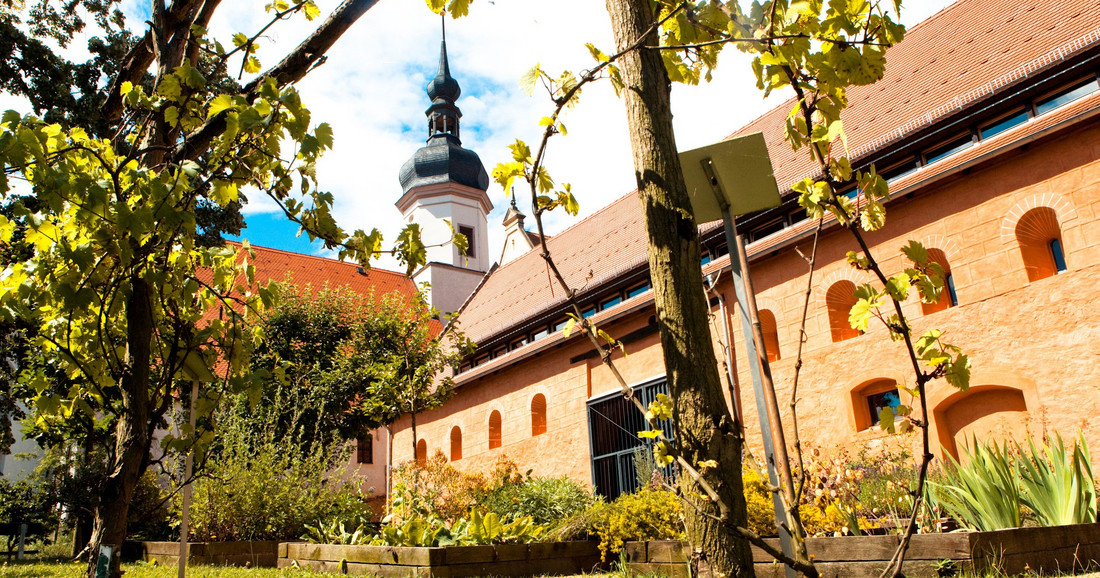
<point>1030,343</point>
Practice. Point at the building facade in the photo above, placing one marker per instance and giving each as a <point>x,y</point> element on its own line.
<point>987,126</point>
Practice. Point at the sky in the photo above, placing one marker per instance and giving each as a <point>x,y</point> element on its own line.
<point>371,90</point>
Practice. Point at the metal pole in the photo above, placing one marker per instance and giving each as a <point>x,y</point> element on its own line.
<point>189,465</point>
<point>735,244</point>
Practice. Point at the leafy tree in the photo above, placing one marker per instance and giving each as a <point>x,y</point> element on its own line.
<point>118,283</point>
<point>342,363</point>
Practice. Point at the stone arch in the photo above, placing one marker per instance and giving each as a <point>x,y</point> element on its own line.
<point>846,274</point>
<point>993,410</point>
<point>422,452</point>
<point>950,248</point>
<point>1039,237</point>
<point>456,443</point>
<point>938,255</point>
<point>839,300</point>
<point>870,393</point>
<point>496,429</point>
<point>538,414</point>
<point>770,329</point>
<point>1063,208</point>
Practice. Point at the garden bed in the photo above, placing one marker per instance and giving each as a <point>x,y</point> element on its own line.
<point>255,554</point>
<point>1054,550</point>
<point>548,558</point>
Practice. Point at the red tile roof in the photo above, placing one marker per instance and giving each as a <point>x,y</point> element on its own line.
<point>301,270</point>
<point>279,265</point>
<point>959,56</point>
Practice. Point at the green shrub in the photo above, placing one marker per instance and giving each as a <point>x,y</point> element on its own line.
<point>28,503</point>
<point>983,492</point>
<point>1057,488</point>
<point>646,515</point>
<point>544,500</point>
<point>262,490</point>
<point>438,489</point>
<point>149,517</point>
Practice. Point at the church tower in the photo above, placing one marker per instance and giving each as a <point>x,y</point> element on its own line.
<point>442,183</point>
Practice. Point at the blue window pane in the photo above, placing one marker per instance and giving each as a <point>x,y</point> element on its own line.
<point>588,312</point>
<point>705,259</point>
<point>950,283</point>
<point>637,291</point>
<point>1004,124</point>
<point>1059,256</point>
<point>899,171</point>
<point>611,303</point>
<point>1044,106</point>
<point>560,325</point>
<point>947,150</point>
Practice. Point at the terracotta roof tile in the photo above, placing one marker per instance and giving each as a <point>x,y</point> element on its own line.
<point>959,56</point>
<point>279,265</point>
<point>955,58</point>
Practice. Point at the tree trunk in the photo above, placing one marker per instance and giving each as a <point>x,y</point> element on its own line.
<point>131,432</point>
<point>704,427</point>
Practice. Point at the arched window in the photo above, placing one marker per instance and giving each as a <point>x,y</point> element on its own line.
<point>839,299</point>
<point>771,334</point>
<point>494,430</point>
<point>538,414</point>
<point>421,453</point>
<point>1040,240</point>
<point>947,296</point>
<point>456,444</point>
<point>983,412</point>
<point>870,397</point>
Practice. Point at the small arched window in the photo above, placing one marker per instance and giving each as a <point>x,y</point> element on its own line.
<point>870,398</point>
<point>494,430</point>
<point>1040,240</point>
<point>771,334</point>
<point>538,414</point>
<point>839,299</point>
<point>947,295</point>
<point>456,443</point>
<point>421,453</point>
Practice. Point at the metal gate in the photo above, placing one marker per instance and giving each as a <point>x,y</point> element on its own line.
<point>613,426</point>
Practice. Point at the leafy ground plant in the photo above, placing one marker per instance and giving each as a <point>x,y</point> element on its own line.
<point>1058,487</point>
<point>983,491</point>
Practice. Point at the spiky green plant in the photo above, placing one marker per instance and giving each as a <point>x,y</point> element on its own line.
<point>983,492</point>
<point>1056,486</point>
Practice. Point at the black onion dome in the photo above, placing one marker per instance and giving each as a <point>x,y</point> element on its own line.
<point>443,160</point>
<point>443,86</point>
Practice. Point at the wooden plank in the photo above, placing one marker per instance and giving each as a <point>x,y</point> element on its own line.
<point>666,552</point>
<point>852,548</point>
<point>635,552</point>
<point>409,556</point>
<point>1020,540</point>
<point>336,552</point>
<point>669,570</point>
<point>507,568</point>
<point>540,550</point>
<point>467,554</point>
<point>509,552</point>
<point>954,546</point>
<point>852,569</point>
